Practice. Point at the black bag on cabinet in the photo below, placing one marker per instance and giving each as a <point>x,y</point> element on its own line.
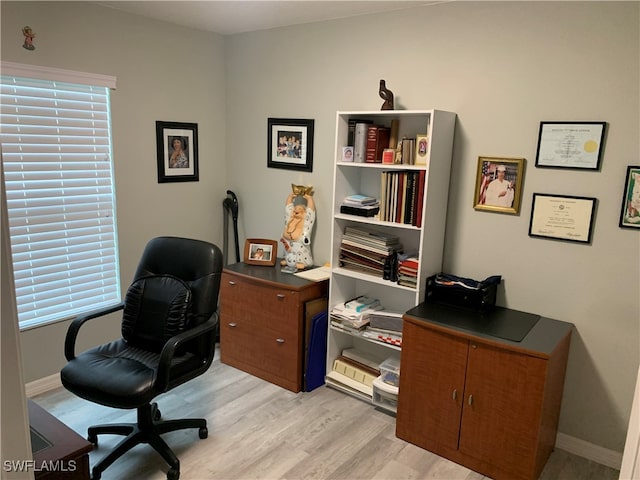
<point>454,291</point>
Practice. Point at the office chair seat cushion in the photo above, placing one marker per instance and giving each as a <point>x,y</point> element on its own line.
<point>156,308</point>
<point>118,374</point>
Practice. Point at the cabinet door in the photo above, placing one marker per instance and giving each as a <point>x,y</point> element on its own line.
<point>502,408</point>
<point>432,374</point>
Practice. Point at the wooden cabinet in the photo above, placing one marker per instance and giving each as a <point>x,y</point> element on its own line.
<point>426,240</point>
<point>481,401</point>
<point>262,322</point>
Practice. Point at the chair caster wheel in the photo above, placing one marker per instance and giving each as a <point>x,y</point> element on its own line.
<point>203,432</point>
<point>157,415</point>
<point>173,474</point>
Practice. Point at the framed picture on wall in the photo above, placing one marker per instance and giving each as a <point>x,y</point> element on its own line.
<point>576,145</point>
<point>630,211</point>
<point>499,184</point>
<point>562,217</point>
<point>290,144</point>
<point>177,150</point>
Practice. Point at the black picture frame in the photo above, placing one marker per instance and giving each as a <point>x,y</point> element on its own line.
<point>290,144</point>
<point>630,210</point>
<point>562,217</point>
<point>571,145</point>
<point>181,167</point>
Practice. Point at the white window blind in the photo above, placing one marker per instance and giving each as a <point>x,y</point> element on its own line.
<point>56,154</point>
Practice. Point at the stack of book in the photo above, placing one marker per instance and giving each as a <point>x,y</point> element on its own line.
<point>384,326</point>
<point>355,371</point>
<point>369,251</point>
<point>408,266</point>
<point>353,315</point>
<point>360,205</point>
<point>401,196</point>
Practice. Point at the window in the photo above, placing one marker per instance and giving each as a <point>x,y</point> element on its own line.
<point>56,155</point>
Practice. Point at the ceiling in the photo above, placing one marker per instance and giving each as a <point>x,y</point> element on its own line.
<point>239,16</point>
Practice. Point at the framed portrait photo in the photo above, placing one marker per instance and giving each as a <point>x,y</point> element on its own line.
<point>290,144</point>
<point>630,211</point>
<point>177,149</point>
<point>499,184</point>
<point>260,251</point>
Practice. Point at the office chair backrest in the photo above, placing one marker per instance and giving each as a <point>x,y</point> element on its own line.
<point>197,263</point>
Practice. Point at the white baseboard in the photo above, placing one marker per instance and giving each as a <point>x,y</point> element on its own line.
<point>43,385</point>
<point>587,450</point>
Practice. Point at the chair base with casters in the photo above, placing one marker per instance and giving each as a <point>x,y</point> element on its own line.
<point>169,321</point>
<point>147,429</point>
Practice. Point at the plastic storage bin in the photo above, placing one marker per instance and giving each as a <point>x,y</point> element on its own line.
<point>390,371</point>
<point>385,396</point>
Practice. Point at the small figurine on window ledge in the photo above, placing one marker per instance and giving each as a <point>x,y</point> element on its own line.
<point>300,216</point>
<point>386,95</point>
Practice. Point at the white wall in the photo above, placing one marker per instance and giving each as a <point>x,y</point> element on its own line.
<point>163,72</point>
<point>503,67</point>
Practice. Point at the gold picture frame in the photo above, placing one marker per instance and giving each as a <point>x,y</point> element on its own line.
<point>260,251</point>
<point>496,193</point>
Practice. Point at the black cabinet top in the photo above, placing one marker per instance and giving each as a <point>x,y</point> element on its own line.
<point>523,330</point>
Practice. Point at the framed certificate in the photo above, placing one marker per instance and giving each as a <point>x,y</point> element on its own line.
<point>562,217</point>
<point>575,145</point>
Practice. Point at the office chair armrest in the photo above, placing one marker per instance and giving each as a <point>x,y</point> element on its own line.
<point>74,328</point>
<point>206,329</point>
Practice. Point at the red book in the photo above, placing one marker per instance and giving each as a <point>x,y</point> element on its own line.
<point>419,198</point>
<point>377,141</point>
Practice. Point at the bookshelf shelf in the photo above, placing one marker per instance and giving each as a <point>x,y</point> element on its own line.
<point>423,234</point>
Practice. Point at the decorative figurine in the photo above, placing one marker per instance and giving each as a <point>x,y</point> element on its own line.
<point>29,35</point>
<point>386,95</point>
<point>300,216</point>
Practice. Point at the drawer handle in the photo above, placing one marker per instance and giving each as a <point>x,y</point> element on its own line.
<point>280,340</point>
<point>231,282</point>
<point>281,296</point>
<point>470,400</point>
<point>455,394</point>
<point>233,324</point>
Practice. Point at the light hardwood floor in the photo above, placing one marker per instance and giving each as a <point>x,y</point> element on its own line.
<point>260,431</point>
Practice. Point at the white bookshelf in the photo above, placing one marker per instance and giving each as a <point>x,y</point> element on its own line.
<point>427,240</point>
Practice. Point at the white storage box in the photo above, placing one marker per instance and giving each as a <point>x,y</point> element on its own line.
<point>385,396</point>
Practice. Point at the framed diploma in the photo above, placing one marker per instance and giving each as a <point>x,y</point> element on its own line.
<point>562,217</point>
<point>575,145</point>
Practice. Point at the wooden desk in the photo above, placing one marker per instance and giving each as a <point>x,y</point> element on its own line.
<point>59,453</point>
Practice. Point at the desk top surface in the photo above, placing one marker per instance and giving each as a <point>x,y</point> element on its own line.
<point>541,334</point>
<point>271,274</point>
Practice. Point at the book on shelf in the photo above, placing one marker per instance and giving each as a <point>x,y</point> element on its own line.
<point>377,141</point>
<point>343,381</point>
<point>361,357</point>
<point>360,142</point>
<point>360,211</point>
<point>386,320</point>
<point>358,199</point>
<point>402,193</point>
<point>383,337</point>
<point>349,369</point>
<point>361,303</point>
<point>351,129</point>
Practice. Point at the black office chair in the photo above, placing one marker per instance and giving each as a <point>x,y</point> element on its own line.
<point>168,337</point>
